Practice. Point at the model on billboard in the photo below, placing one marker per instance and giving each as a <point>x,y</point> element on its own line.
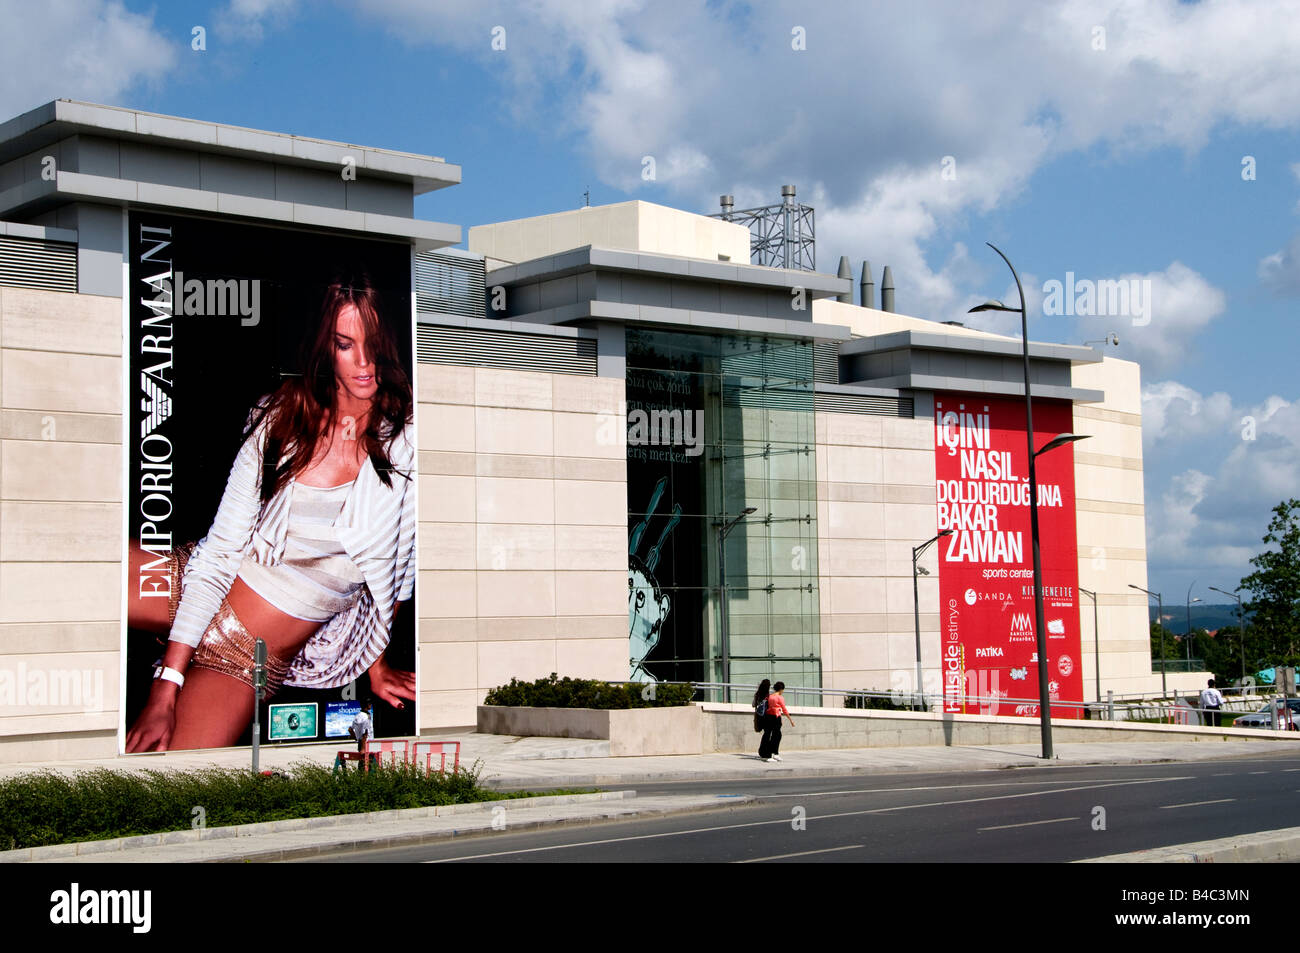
<point>313,544</point>
<point>647,605</point>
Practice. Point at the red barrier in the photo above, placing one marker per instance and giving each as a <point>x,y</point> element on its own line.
<point>440,747</point>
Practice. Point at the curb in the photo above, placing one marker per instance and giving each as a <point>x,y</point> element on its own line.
<point>1260,847</point>
<point>85,848</point>
<point>794,771</point>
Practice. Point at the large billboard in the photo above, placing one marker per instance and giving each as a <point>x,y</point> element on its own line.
<point>270,480</point>
<point>666,525</point>
<point>988,654</point>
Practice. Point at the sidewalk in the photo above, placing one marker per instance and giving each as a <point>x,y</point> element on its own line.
<point>546,764</point>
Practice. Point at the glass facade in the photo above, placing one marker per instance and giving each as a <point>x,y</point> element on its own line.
<point>718,424</point>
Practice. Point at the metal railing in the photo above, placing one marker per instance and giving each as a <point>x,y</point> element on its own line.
<point>1158,710</point>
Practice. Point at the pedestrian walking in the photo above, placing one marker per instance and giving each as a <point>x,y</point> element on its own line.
<point>769,748</point>
<point>363,730</point>
<point>1211,702</point>
<point>760,704</point>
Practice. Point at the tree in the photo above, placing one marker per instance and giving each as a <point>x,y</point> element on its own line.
<point>1275,583</point>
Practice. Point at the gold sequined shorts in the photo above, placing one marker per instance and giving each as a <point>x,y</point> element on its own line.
<point>226,646</point>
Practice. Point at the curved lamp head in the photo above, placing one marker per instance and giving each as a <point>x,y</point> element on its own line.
<point>1060,440</point>
<point>992,306</point>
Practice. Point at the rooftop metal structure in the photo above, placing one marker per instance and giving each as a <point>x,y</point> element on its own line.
<point>780,236</point>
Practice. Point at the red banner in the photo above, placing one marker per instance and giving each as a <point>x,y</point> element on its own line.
<point>988,654</point>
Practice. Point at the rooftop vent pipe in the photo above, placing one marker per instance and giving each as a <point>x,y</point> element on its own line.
<point>867,287</point>
<point>728,202</point>
<point>846,271</point>
<point>787,230</point>
<point>887,290</point>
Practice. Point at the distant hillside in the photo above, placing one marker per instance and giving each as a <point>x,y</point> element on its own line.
<point>1203,616</point>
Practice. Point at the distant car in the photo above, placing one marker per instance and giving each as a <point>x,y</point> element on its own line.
<point>1264,717</point>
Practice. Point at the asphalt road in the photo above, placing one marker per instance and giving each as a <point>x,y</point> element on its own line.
<point>1040,814</point>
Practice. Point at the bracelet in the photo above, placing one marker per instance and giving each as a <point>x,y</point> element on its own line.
<point>169,675</point>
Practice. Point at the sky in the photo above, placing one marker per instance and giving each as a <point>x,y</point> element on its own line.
<point>1155,143</point>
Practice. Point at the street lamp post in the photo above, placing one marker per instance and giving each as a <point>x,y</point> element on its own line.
<point>1040,636</point>
<point>916,603</point>
<point>724,627</point>
<point>1160,621</point>
<point>1241,630</point>
<point>1096,639</point>
<point>1190,600</point>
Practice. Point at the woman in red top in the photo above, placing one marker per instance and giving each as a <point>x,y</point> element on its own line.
<point>770,747</point>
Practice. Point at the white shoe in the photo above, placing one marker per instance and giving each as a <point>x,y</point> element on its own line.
<point>765,760</point>
<point>776,757</point>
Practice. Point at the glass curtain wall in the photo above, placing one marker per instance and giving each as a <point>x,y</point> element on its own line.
<point>718,424</point>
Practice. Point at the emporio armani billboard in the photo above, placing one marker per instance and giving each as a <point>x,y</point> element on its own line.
<point>270,480</point>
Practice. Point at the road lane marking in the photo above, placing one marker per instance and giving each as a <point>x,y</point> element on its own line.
<point>802,853</point>
<point>1259,772</point>
<point>1222,800</point>
<point>1007,827</point>
<point>786,820</point>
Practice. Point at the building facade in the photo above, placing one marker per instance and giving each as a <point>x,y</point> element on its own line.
<point>640,457</point>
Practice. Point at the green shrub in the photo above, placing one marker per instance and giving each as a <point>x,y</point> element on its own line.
<point>50,808</point>
<point>555,692</point>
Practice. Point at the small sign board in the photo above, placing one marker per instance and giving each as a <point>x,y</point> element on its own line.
<point>292,722</point>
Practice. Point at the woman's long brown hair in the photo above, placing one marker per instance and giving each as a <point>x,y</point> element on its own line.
<point>300,408</point>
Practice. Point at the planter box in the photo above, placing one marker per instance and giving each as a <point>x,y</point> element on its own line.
<point>629,731</point>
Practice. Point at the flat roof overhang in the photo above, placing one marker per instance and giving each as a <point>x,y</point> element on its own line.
<point>1043,357</point>
<point>595,258</point>
<point>31,198</point>
<point>61,118</point>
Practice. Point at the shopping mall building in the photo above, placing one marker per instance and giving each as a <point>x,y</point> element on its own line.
<point>618,418</point>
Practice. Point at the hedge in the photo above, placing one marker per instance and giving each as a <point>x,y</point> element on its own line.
<point>555,692</point>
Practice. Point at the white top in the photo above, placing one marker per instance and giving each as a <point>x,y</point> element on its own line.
<point>316,579</point>
<point>1211,697</point>
<point>362,727</point>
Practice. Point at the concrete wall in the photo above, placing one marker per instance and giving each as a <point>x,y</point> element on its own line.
<point>635,226</point>
<point>875,500</point>
<point>523,533</point>
<point>630,732</point>
<point>60,524</point>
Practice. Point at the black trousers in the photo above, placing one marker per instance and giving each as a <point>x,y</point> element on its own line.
<point>771,743</point>
<point>1212,716</point>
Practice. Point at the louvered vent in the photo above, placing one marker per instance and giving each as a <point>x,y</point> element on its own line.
<point>826,362</point>
<point>38,263</point>
<point>863,404</point>
<point>483,347</point>
<point>449,284</point>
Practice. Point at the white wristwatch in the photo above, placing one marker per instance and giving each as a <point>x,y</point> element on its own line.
<point>169,675</point>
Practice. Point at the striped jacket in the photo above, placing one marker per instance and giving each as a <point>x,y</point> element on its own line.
<point>376,527</point>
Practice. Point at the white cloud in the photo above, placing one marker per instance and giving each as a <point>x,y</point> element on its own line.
<point>862,119</point>
<point>1179,304</point>
<point>77,49</point>
<point>1214,471</point>
<point>1280,271</point>
<point>250,19</point>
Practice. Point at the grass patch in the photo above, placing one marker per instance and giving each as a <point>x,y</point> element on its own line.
<point>45,807</point>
